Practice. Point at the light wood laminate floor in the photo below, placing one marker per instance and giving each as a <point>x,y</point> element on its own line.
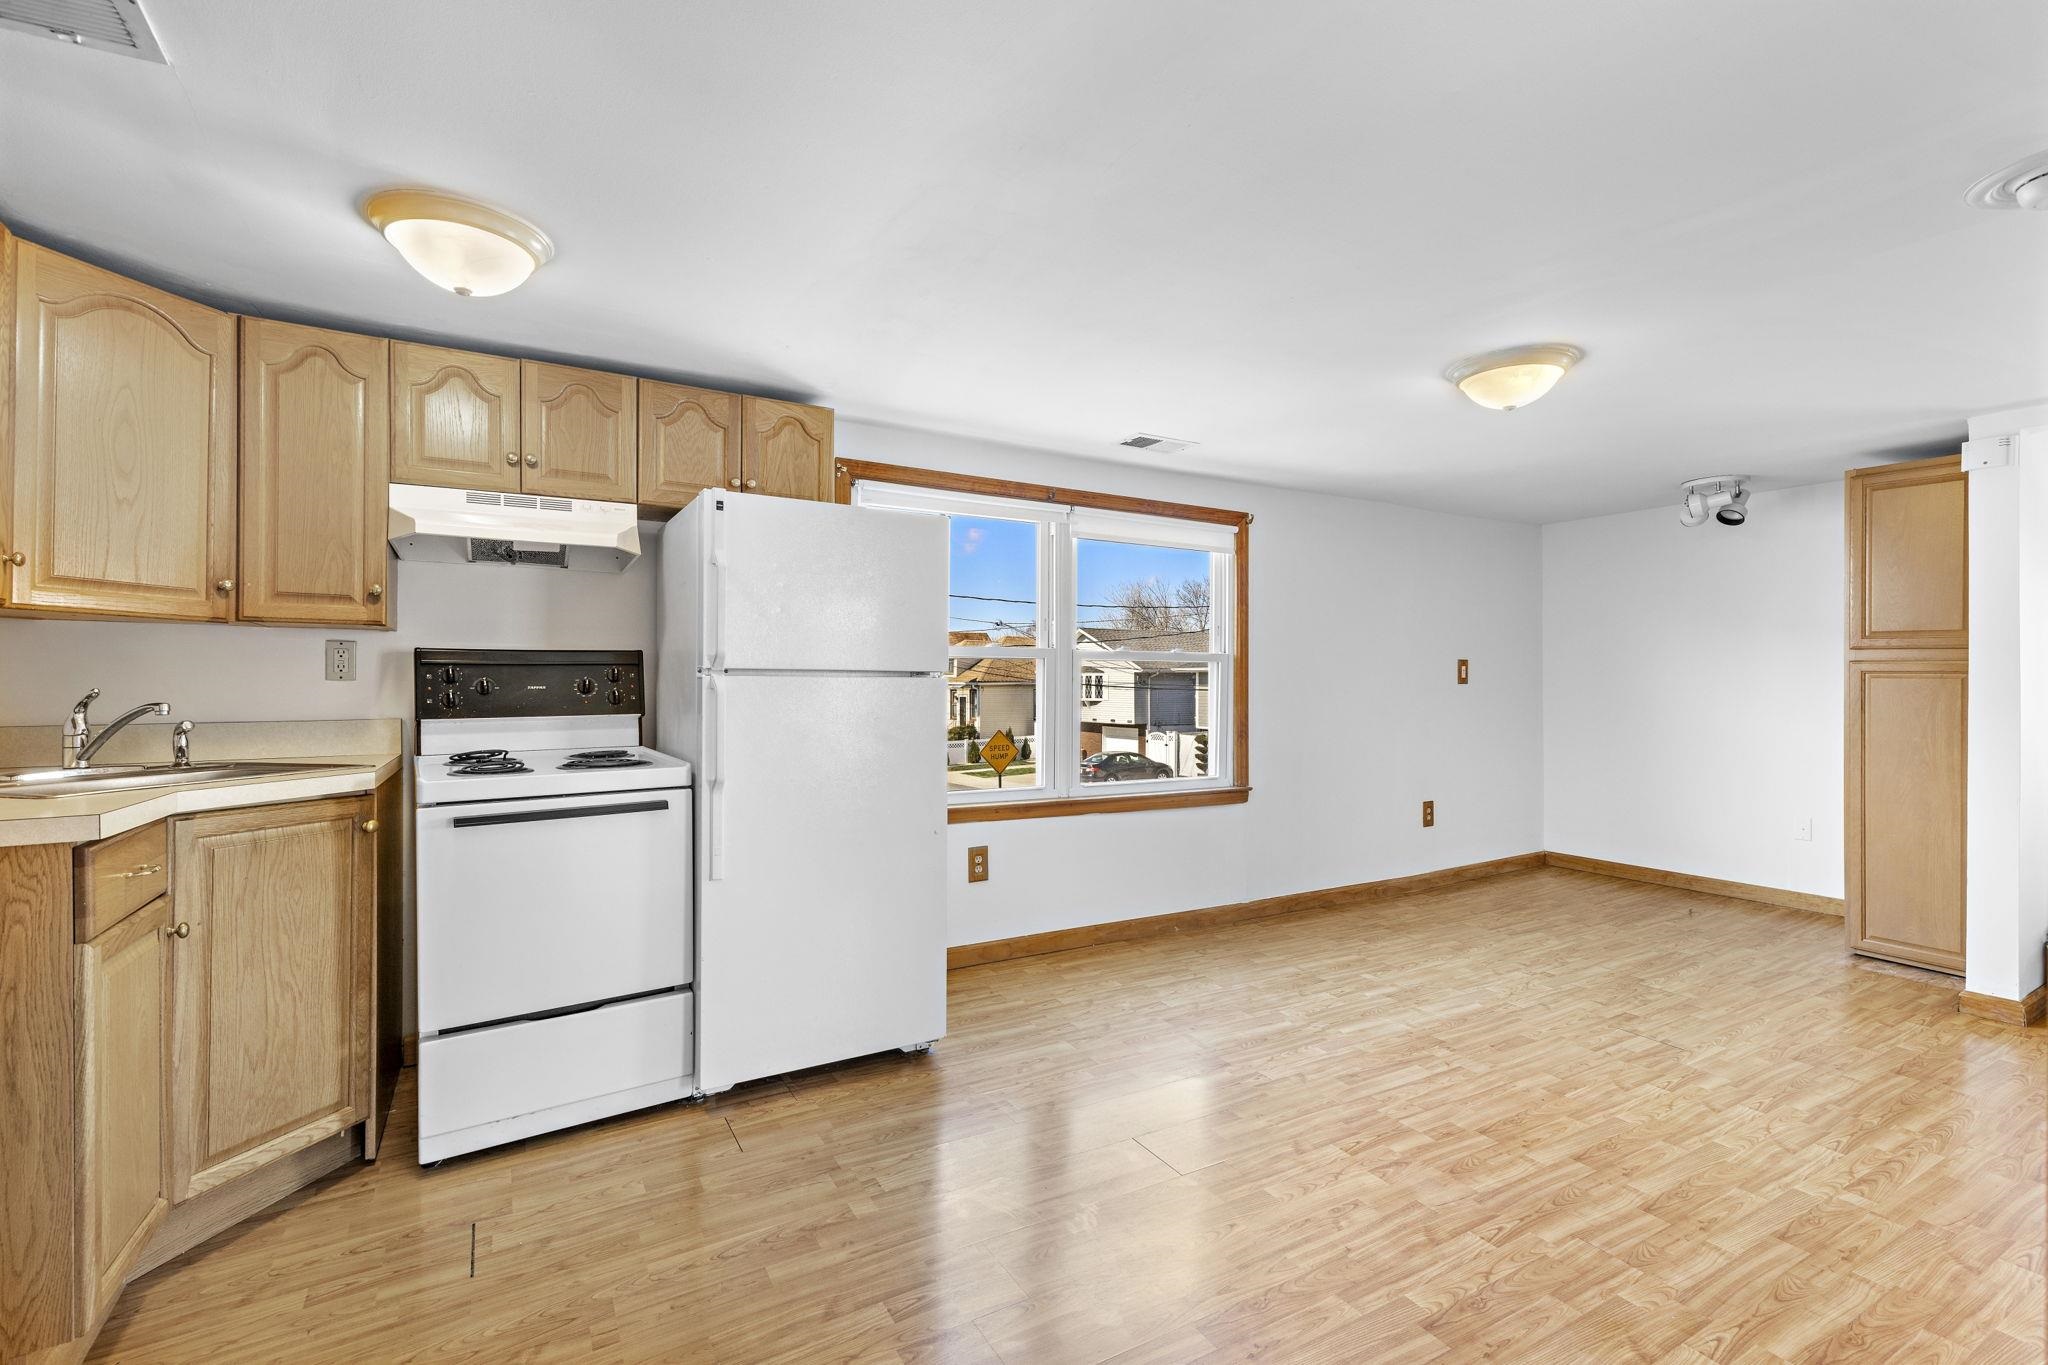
<point>1546,1117</point>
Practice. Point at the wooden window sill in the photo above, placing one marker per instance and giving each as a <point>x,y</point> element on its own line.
<point>1095,805</point>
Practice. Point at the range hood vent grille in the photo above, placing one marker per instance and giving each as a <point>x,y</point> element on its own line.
<point>525,501</point>
<point>107,25</point>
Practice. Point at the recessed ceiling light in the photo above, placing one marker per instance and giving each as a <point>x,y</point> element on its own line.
<point>2022,185</point>
<point>467,248</point>
<point>1514,378</point>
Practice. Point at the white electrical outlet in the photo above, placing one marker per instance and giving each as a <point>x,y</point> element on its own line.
<point>341,661</point>
<point>1803,830</point>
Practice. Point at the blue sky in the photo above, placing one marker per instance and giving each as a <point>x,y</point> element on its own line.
<point>995,558</point>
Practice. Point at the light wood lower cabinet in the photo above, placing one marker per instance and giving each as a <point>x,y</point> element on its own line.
<point>123,995</point>
<point>1908,749</point>
<point>271,992</point>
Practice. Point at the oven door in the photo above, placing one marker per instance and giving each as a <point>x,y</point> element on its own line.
<point>548,903</point>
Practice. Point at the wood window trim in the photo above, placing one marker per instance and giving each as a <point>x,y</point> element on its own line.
<point>847,473</point>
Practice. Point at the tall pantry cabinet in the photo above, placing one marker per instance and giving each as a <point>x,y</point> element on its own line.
<point>1907,710</point>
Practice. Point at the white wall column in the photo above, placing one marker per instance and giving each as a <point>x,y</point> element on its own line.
<point>2007,849</point>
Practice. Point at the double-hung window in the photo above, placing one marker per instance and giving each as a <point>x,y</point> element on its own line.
<point>1100,636</point>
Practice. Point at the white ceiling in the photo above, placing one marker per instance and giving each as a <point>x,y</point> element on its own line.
<point>1264,227</point>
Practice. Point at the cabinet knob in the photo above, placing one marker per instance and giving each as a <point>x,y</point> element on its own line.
<point>369,826</point>
<point>17,559</point>
<point>752,484</point>
<point>533,462</point>
<point>735,483</point>
<point>225,585</point>
<point>184,930</point>
<point>511,457</point>
<point>376,591</point>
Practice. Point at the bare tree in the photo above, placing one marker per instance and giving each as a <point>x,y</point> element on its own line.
<point>1153,605</point>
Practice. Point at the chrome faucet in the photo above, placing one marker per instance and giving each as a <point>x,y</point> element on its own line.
<point>181,744</point>
<point>80,744</point>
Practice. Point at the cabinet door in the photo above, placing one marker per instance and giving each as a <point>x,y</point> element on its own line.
<point>271,990</point>
<point>788,449</point>
<point>454,418</point>
<point>122,496</point>
<point>123,1061</point>
<point>316,469</point>
<point>689,441</point>
<point>1908,739</point>
<point>1909,556</point>
<point>581,430</point>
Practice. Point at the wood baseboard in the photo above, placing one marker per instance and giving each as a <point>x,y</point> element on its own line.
<point>1712,886</point>
<point>2019,1013</point>
<point>220,1208</point>
<point>1162,926</point>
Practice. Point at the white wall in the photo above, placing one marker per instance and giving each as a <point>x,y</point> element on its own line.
<point>1359,613</point>
<point>2008,765</point>
<point>1692,681</point>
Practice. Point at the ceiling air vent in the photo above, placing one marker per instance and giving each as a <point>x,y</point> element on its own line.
<point>109,25</point>
<point>1158,445</point>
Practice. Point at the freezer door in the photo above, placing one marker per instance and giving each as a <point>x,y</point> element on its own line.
<point>821,898</point>
<point>820,587</point>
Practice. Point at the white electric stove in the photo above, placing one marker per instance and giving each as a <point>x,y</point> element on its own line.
<point>553,856</point>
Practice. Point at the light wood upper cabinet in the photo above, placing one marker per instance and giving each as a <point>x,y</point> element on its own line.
<point>1909,558</point>
<point>689,441</point>
<point>123,992</point>
<point>454,418</point>
<point>121,498</point>
<point>581,432</point>
<point>316,465</point>
<point>271,991</point>
<point>787,449</point>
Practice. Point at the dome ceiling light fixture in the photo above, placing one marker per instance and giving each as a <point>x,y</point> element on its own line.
<point>467,248</point>
<point>1513,378</point>
<point>2022,185</point>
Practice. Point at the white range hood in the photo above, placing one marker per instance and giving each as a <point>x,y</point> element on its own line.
<point>467,526</point>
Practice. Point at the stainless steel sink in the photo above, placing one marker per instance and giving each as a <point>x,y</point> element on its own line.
<point>102,777</point>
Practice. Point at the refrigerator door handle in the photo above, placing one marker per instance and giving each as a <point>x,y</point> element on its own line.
<point>714,802</point>
<point>714,590</point>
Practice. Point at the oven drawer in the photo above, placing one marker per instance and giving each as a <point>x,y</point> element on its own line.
<point>492,1074</point>
<point>537,904</point>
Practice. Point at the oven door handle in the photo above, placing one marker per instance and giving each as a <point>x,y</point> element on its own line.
<point>521,817</point>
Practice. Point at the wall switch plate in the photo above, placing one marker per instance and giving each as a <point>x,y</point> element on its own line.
<point>341,661</point>
<point>1464,671</point>
<point>977,863</point>
<point>1803,830</point>
<point>1429,815</point>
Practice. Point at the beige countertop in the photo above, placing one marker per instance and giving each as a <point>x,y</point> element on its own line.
<point>352,756</point>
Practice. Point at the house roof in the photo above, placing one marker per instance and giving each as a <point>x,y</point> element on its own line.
<point>994,671</point>
<point>981,637</point>
<point>1148,638</point>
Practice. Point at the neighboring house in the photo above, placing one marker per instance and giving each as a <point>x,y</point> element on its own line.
<point>1124,702</point>
<point>992,694</point>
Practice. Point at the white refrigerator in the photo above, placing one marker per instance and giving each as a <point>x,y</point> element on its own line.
<point>802,650</point>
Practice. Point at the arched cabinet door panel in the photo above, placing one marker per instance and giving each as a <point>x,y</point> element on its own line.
<point>788,451</point>
<point>454,418</point>
<point>689,441</point>
<point>581,430</point>
<point>121,498</point>
<point>316,462</point>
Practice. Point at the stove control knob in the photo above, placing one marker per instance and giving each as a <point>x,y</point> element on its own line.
<point>451,699</point>
<point>617,697</point>
<point>614,675</point>
<point>484,687</point>
<point>585,686</point>
<point>450,674</point>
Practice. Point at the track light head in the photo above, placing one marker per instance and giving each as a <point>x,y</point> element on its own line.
<point>1723,497</point>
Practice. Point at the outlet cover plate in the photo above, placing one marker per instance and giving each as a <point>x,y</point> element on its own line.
<point>977,863</point>
<point>341,660</point>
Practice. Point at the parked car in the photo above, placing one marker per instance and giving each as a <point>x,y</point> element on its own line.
<point>1121,767</point>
